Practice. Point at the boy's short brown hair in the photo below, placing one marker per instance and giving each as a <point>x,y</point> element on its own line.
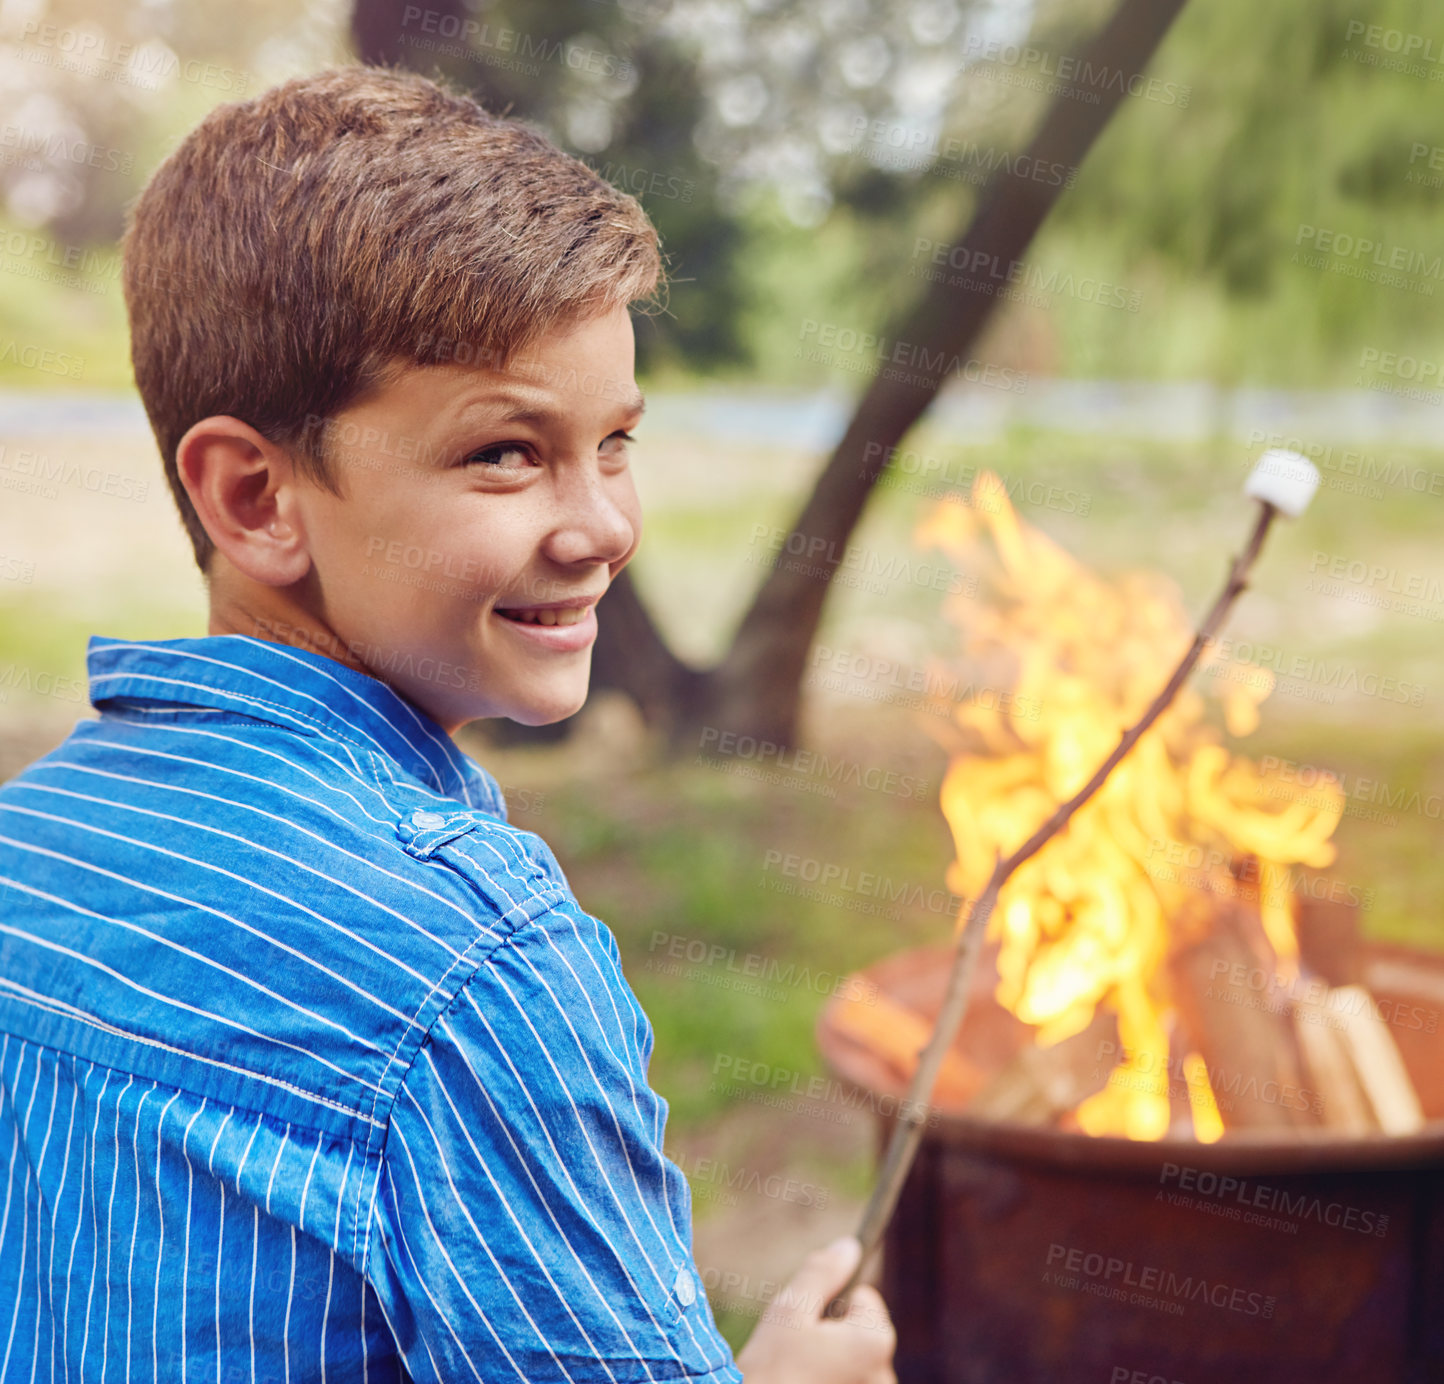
<point>298,246</point>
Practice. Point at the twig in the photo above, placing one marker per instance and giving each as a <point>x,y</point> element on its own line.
<point>914,1111</point>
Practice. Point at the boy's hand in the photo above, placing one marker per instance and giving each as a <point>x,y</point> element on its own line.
<point>795,1344</point>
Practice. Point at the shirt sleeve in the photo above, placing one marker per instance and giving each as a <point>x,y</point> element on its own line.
<point>527,1224</point>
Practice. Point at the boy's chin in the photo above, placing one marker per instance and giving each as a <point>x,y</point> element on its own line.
<point>547,711</point>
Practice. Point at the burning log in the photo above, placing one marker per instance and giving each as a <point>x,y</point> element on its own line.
<point>1040,1084</point>
<point>1345,1107</point>
<point>1330,944</point>
<point>1245,1037</point>
<point>1352,1056</point>
<point>1376,1062</point>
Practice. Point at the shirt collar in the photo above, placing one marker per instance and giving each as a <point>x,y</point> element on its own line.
<point>292,687</point>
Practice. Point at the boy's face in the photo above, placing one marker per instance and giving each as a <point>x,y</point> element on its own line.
<point>473,499</point>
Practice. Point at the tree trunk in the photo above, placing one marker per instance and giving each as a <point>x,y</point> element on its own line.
<point>757,687</point>
<point>376,28</point>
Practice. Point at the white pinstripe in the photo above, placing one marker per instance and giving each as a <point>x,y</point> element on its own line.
<point>134,1231</point>
<point>160,1246</point>
<point>25,1225</point>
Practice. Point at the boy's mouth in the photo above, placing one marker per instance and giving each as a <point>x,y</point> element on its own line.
<point>558,613</point>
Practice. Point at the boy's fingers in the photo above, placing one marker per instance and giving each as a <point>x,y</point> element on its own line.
<point>823,1272</point>
<point>867,1309</point>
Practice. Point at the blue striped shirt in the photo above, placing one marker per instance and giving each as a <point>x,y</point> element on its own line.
<point>311,1066</point>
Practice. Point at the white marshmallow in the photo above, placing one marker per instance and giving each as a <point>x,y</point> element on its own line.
<point>1285,479</point>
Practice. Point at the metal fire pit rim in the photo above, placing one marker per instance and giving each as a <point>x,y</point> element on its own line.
<point>1244,1151</point>
<point>1238,1151</point>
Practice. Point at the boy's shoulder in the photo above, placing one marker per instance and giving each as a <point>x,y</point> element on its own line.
<point>285,906</point>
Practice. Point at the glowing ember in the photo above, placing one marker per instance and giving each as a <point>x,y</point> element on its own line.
<point>1090,920</point>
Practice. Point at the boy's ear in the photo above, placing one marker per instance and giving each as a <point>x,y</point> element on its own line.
<point>243,489</point>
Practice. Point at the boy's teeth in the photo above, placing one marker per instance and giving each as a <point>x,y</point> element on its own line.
<point>573,616</point>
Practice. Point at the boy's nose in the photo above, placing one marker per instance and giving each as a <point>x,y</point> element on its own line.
<point>594,527</point>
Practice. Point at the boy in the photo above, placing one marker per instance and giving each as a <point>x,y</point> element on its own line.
<point>312,1066</point>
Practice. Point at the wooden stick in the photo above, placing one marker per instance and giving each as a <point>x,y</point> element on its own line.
<point>913,1113</point>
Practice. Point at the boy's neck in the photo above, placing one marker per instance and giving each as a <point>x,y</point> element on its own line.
<point>241,606</point>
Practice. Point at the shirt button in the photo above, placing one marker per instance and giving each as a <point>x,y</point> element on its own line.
<point>685,1288</point>
<point>419,818</point>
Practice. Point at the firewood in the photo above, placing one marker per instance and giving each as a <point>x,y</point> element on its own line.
<point>1243,1029</point>
<point>1332,1072</point>
<point>1377,1062</point>
<point>1040,1084</point>
<point>1330,943</point>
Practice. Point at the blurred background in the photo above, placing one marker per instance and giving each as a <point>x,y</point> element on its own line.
<point>1244,253</point>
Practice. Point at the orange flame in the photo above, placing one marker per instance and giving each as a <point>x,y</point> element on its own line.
<point>1090,919</point>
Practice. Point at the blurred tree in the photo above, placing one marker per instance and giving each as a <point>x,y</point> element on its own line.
<point>779,93</point>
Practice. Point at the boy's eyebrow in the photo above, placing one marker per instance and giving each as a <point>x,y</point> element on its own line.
<point>522,412</point>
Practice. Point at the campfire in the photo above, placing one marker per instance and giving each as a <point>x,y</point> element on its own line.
<point>1182,965</point>
<point>1191,1125</point>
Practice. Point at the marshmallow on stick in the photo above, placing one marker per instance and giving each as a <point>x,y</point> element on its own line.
<point>1283,482</point>
<point>1283,479</point>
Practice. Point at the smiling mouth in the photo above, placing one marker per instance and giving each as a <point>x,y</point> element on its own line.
<point>548,615</point>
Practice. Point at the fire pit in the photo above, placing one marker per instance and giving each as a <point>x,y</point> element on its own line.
<point>1044,1255</point>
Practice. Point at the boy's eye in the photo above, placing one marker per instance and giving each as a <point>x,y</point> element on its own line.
<point>503,456</point>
